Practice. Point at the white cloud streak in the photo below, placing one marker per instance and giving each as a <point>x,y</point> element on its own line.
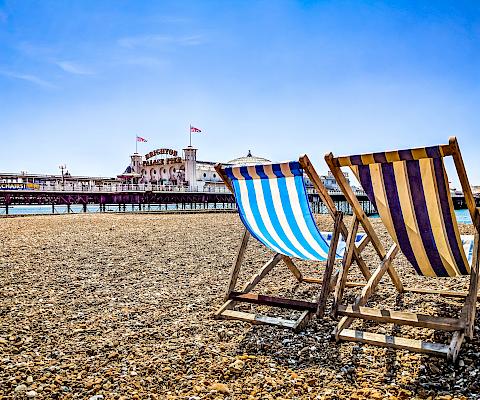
<point>159,40</point>
<point>28,78</point>
<point>74,68</point>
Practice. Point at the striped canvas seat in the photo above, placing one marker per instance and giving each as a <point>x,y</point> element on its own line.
<point>410,191</point>
<point>273,205</point>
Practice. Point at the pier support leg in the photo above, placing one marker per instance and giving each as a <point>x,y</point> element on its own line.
<point>6,209</point>
<point>53,208</point>
<point>84,207</point>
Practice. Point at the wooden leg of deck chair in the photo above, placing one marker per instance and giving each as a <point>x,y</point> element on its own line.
<point>368,289</point>
<point>255,279</point>
<point>325,290</point>
<point>455,345</point>
<point>469,308</point>
<point>293,268</point>
<point>238,263</point>
<point>347,260</point>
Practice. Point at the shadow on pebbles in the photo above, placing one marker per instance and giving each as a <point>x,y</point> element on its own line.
<point>120,307</point>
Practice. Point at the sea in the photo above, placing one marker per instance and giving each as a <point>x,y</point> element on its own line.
<point>463,216</point>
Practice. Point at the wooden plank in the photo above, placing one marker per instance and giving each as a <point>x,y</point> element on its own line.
<point>228,305</point>
<point>455,345</point>
<point>462,176</point>
<point>471,300</point>
<point>256,278</point>
<point>221,173</point>
<point>402,318</point>
<point>357,209</point>
<point>363,243</point>
<point>293,268</point>
<point>319,281</point>
<point>302,321</point>
<point>238,263</point>
<point>394,342</point>
<point>274,301</point>
<point>258,319</point>
<point>445,293</point>
<point>369,288</point>
<point>327,200</point>
<point>347,259</point>
<point>325,290</point>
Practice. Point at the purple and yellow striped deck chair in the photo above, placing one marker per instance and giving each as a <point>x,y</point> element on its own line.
<point>410,190</point>
<point>274,207</point>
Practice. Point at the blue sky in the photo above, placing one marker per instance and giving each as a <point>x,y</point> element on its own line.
<point>79,79</point>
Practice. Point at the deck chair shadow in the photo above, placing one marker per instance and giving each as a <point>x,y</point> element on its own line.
<point>410,190</point>
<point>273,205</point>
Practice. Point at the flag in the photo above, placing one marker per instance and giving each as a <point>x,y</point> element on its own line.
<point>193,129</point>
<point>141,139</point>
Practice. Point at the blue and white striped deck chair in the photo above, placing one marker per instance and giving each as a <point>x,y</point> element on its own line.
<point>410,190</point>
<point>273,205</point>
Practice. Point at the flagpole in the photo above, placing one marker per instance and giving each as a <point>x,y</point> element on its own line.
<point>136,145</point>
<point>190,135</point>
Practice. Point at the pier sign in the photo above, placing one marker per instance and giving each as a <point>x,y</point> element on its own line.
<point>157,152</point>
<point>163,161</point>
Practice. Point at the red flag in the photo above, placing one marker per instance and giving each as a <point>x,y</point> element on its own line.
<point>141,139</point>
<point>193,129</point>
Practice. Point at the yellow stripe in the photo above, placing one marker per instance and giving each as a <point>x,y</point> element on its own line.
<point>419,153</point>
<point>455,226</point>
<point>381,199</point>
<point>368,159</point>
<point>344,161</point>
<point>432,200</point>
<point>392,156</point>
<point>354,169</point>
<point>410,219</point>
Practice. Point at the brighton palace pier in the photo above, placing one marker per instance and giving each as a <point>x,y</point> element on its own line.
<point>161,178</point>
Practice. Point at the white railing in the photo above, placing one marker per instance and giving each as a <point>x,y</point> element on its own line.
<point>147,187</point>
<point>119,187</point>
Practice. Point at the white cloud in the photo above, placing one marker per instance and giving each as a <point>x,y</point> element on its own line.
<point>29,78</point>
<point>73,68</point>
<point>159,40</point>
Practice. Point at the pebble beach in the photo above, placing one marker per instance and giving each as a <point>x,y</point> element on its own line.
<point>102,306</point>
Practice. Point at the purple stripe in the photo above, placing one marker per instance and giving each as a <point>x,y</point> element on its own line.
<point>366,182</point>
<point>443,193</point>
<point>433,152</point>
<point>380,157</point>
<point>356,160</point>
<point>405,154</point>
<point>423,220</point>
<point>395,208</point>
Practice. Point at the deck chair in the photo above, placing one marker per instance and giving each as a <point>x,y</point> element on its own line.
<point>410,190</point>
<point>273,205</point>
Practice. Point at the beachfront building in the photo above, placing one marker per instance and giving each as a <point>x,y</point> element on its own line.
<point>165,167</point>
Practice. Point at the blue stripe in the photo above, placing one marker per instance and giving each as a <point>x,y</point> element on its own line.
<point>256,213</point>
<point>267,195</point>
<point>307,213</point>
<point>241,212</point>
<point>287,208</point>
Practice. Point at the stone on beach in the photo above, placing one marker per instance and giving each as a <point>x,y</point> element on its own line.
<point>92,312</point>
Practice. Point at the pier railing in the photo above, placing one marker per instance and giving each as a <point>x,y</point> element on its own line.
<point>123,188</point>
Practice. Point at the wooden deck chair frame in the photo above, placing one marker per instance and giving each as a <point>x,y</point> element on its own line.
<point>460,327</point>
<point>328,282</point>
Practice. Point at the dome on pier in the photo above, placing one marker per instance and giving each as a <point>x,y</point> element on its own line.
<point>249,159</point>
